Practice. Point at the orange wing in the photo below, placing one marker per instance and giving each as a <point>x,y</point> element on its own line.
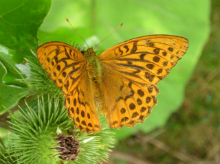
<point>135,67</point>
<point>63,63</point>
<point>81,106</point>
<point>66,67</point>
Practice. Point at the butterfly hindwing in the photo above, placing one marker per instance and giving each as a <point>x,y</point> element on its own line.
<point>137,65</point>
<point>81,107</point>
<point>127,101</point>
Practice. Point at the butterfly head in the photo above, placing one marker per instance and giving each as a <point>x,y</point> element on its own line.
<point>89,52</point>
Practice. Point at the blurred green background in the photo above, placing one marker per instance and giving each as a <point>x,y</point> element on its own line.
<point>184,126</point>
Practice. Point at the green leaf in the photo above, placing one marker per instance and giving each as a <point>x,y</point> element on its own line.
<point>11,89</point>
<point>19,22</point>
<point>12,73</point>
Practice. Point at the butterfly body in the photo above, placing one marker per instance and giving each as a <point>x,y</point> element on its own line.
<point>94,71</point>
<point>121,82</point>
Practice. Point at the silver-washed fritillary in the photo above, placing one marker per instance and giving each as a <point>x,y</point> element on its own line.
<point>121,82</point>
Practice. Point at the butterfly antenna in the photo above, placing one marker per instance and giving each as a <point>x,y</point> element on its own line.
<point>109,35</point>
<point>76,32</point>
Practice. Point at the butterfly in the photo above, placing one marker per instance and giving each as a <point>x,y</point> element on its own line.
<point>121,82</point>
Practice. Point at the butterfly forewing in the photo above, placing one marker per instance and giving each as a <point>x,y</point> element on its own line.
<point>63,63</point>
<point>148,58</point>
<point>137,65</point>
<point>66,67</point>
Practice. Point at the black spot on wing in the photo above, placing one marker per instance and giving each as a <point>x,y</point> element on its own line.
<point>134,48</point>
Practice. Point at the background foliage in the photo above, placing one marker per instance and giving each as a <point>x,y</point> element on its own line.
<point>95,19</point>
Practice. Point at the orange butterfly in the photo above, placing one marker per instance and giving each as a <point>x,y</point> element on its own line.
<point>121,82</point>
